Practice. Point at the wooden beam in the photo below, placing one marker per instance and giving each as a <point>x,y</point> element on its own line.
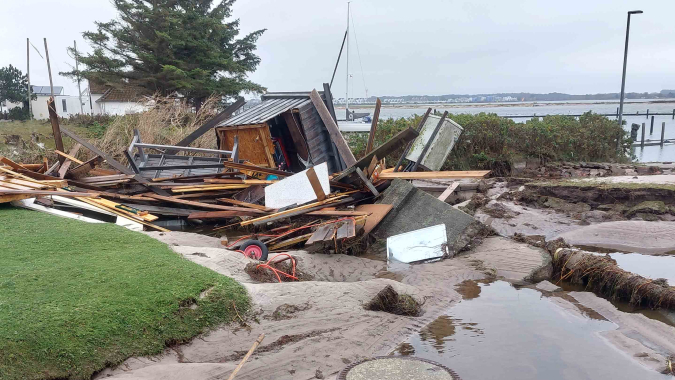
<point>66,165</point>
<point>451,189</point>
<point>435,175</point>
<point>316,184</point>
<point>220,214</point>
<point>291,241</point>
<point>12,164</point>
<point>227,112</point>
<point>373,126</point>
<point>202,205</point>
<point>333,130</point>
<point>366,182</point>
<point>84,168</point>
<point>245,204</point>
<point>68,157</point>
<point>56,129</point>
<point>289,211</point>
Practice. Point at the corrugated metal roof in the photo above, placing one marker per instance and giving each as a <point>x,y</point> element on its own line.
<point>264,111</point>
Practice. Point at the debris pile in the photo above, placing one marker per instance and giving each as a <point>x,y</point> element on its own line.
<point>390,301</point>
<point>282,177</point>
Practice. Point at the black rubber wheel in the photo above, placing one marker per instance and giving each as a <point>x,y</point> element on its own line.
<point>256,249</point>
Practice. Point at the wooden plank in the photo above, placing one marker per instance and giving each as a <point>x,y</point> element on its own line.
<point>367,182</point>
<point>435,175</point>
<point>84,168</point>
<point>377,213</point>
<point>12,164</point>
<point>336,136</point>
<point>399,140</point>
<point>407,148</point>
<point>266,144</point>
<point>118,213</point>
<point>34,192</point>
<point>66,164</point>
<point>201,205</point>
<point>56,129</point>
<point>346,229</point>
<point>235,181</point>
<point>338,213</point>
<point>188,189</point>
<point>209,125</point>
<point>322,233</point>
<point>298,138</point>
<point>220,214</point>
<point>258,169</point>
<point>371,168</point>
<point>126,210</point>
<point>451,189</point>
<point>373,126</point>
<point>291,211</point>
<point>316,184</point>
<point>38,176</point>
<point>290,242</point>
<point>245,204</point>
<point>26,166</point>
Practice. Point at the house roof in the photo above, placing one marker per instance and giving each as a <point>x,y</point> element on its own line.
<point>45,90</point>
<point>125,94</point>
<point>272,105</point>
<point>97,88</point>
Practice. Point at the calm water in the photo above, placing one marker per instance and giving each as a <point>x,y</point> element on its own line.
<point>646,154</point>
<point>647,266</point>
<point>503,333</point>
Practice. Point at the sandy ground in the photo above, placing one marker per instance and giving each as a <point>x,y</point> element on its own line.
<point>631,236</point>
<point>314,329</point>
<point>666,179</point>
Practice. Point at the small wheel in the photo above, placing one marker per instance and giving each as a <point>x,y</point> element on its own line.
<point>254,249</point>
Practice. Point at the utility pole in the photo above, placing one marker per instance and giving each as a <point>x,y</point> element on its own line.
<point>49,69</point>
<point>79,91</point>
<point>347,85</point>
<point>623,77</point>
<point>30,106</point>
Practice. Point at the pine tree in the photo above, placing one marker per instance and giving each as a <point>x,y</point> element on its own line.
<point>167,46</point>
<point>12,85</point>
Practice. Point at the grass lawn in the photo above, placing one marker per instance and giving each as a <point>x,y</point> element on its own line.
<point>41,127</point>
<point>76,297</point>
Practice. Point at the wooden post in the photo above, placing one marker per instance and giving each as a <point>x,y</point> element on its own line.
<point>617,112</point>
<point>651,127</point>
<point>373,126</point>
<point>407,148</point>
<point>30,106</point>
<point>56,129</point>
<point>673,113</point>
<point>248,354</point>
<point>333,129</point>
<point>642,143</point>
<point>431,140</point>
<point>647,113</point>
<point>663,131</point>
<point>49,69</point>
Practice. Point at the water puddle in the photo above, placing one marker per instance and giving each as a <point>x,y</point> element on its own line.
<point>516,334</point>
<point>647,266</point>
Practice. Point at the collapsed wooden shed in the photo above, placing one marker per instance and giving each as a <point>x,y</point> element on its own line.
<point>284,132</point>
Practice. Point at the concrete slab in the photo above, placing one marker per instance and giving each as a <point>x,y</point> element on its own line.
<point>513,261</point>
<point>414,209</point>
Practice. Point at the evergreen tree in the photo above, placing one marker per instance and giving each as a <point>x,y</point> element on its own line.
<point>167,46</point>
<point>12,85</point>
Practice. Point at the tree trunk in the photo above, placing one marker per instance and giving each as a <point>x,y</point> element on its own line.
<point>198,103</point>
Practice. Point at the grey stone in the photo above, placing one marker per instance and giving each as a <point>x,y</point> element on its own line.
<point>548,287</point>
<point>415,209</point>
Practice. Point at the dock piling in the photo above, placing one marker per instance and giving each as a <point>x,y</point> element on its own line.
<point>651,127</point>
<point>647,113</point>
<point>663,131</point>
<point>642,142</point>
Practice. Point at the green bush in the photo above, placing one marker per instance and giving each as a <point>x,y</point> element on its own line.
<point>18,113</point>
<point>495,143</point>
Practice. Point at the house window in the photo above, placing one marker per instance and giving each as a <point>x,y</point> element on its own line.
<point>63,103</point>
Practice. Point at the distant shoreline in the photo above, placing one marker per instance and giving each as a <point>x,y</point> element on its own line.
<point>509,104</point>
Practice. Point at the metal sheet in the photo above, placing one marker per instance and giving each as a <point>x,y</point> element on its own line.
<point>419,245</point>
<point>266,110</point>
<point>441,146</point>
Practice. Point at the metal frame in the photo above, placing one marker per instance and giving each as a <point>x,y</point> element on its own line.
<point>139,160</point>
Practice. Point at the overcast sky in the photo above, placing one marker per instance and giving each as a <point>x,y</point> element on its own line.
<point>429,47</point>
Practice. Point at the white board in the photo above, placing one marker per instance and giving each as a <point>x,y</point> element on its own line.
<point>296,189</point>
<point>441,146</point>
<point>419,245</point>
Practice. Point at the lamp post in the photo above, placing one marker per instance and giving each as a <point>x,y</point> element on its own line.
<point>623,78</point>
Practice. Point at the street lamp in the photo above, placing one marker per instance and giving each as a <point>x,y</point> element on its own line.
<point>623,78</point>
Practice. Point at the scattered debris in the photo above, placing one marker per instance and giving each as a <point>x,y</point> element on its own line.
<point>390,301</point>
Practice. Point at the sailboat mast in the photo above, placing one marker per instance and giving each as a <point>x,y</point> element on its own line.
<point>347,86</point>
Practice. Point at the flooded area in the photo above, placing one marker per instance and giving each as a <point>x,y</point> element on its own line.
<point>500,332</point>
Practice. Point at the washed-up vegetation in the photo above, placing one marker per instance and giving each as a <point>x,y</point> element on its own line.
<point>77,297</point>
<point>493,142</point>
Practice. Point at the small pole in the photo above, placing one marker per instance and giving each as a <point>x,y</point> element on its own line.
<point>674,113</point>
<point>651,127</point>
<point>642,143</point>
<point>647,113</point>
<point>30,106</point>
<point>663,131</point>
<point>49,69</point>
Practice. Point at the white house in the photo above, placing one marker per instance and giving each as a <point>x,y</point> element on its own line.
<point>66,105</point>
<point>115,101</point>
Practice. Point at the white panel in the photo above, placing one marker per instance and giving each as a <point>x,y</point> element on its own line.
<point>419,245</point>
<point>296,189</point>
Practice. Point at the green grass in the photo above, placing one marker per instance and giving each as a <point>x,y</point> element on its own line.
<point>41,127</point>
<point>76,297</point>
